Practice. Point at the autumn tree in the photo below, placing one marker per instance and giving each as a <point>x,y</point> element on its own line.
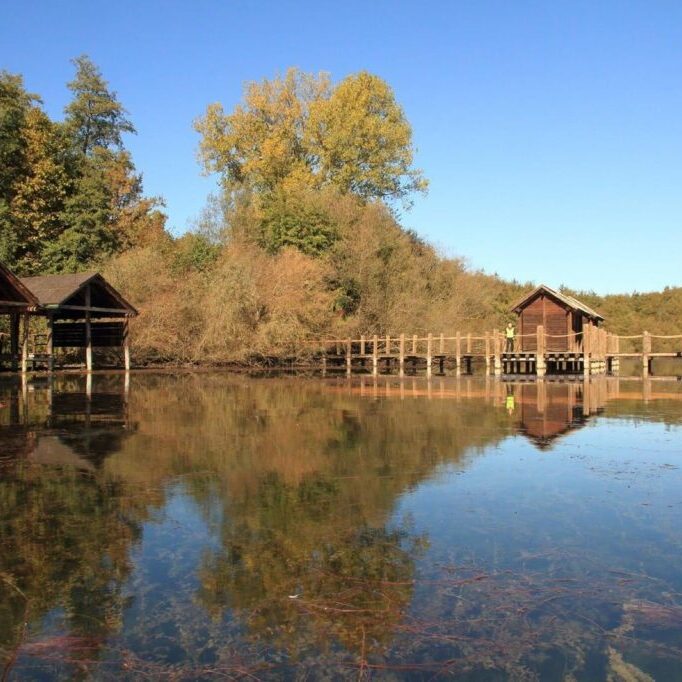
<point>299,133</point>
<point>360,141</point>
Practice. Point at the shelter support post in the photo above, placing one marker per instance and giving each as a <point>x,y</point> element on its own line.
<point>88,331</point>
<point>14,340</point>
<point>126,345</point>
<point>49,349</point>
<point>24,343</point>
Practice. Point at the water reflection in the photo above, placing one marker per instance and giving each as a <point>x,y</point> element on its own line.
<point>202,525</point>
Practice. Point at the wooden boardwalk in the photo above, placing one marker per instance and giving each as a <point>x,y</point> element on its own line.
<point>593,351</point>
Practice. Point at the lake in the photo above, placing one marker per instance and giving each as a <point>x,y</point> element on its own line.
<point>197,526</point>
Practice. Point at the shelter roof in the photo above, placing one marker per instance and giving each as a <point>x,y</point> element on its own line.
<point>62,290</point>
<point>13,291</point>
<point>569,301</point>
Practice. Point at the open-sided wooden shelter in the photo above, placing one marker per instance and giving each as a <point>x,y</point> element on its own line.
<point>563,318</point>
<point>16,301</point>
<point>83,311</point>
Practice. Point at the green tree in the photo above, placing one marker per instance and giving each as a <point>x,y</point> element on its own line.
<point>296,219</point>
<point>39,195</point>
<point>107,212</point>
<point>94,117</point>
<point>15,103</point>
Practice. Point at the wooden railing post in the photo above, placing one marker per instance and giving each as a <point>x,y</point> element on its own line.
<point>497,350</point>
<point>540,366</point>
<point>349,357</point>
<point>441,344</point>
<point>458,353</point>
<point>429,355</point>
<point>587,350</point>
<point>615,359</point>
<point>414,344</point>
<point>401,358</point>
<point>362,345</point>
<point>375,355</point>
<point>646,350</point>
<point>487,353</point>
<point>469,343</point>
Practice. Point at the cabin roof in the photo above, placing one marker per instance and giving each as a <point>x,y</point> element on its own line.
<point>569,301</point>
<point>13,291</point>
<point>57,290</point>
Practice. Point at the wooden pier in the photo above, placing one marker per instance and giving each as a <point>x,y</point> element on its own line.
<point>592,351</point>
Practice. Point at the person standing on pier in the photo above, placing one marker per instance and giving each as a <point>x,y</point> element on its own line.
<point>509,335</point>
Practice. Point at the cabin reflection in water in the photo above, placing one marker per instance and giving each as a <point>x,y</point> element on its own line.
<point>547,412</point>
<point>67,421</point>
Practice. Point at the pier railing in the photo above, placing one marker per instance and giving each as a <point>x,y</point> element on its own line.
<point>592,350</point>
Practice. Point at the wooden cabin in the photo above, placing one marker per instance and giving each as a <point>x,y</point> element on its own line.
<point>563,318</point>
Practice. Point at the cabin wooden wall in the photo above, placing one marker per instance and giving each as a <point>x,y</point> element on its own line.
<point>556,320</point>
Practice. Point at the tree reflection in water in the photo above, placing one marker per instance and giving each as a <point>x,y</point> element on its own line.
<point>298,558</point>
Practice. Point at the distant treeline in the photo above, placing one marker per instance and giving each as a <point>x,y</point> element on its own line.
<point>303,241</point>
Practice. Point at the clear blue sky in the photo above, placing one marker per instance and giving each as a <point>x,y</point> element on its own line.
<point>551,131</point>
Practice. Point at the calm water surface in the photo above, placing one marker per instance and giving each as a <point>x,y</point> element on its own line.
<point>207,526</point>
